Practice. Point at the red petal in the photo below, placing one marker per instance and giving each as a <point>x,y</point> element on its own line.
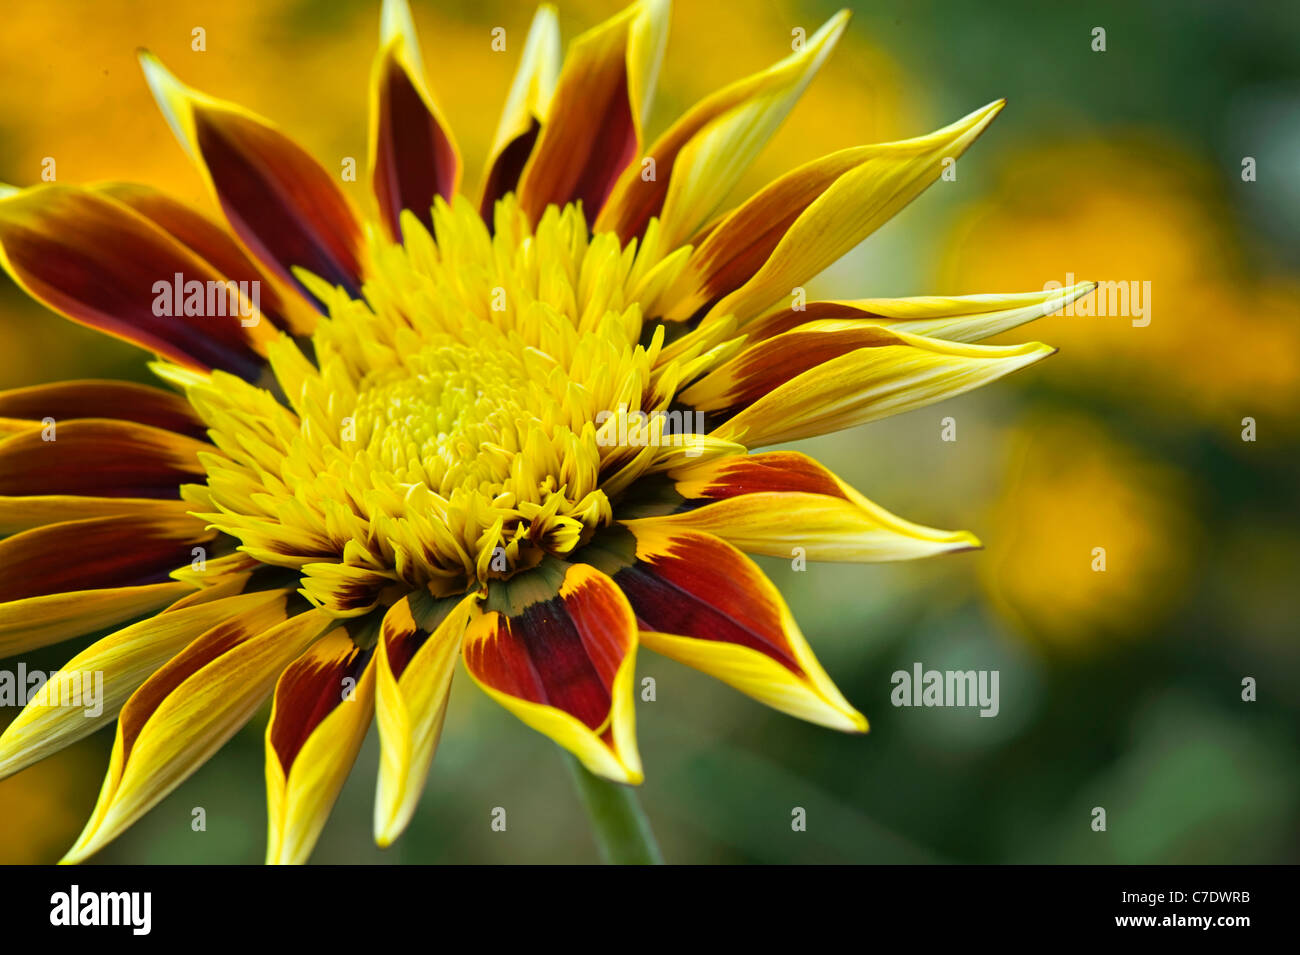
<point>100,458</point>
<point>414,159</point>
<point>217,247</point>
<point>118,400</point>
<point>98,553</point>
<point>96,261</point>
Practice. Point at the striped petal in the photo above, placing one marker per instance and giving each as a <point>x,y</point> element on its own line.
<point>807,219</point>
<point>593,128</point>
<point>322,709</point>
<point>286,210</point>
<point>776,502</point>
<point>183,714</point>
<point>415,660</point>
<point>701,602</point>
<point>703,155</point>
<point>35,622</point>
<point>24,513</point>
<point>525,110</point>
<point>97,261</point>
<point>557,648</point>
<point>956,318</point>
<point>833,374</point>
<point>118,400</point>
<point>122,661</point>
<point>102,552</point>
<point>413,158</point>
<point>284,307</point>
<point>100,458</point>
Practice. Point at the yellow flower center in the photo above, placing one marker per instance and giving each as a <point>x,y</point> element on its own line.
<point>458,424</point>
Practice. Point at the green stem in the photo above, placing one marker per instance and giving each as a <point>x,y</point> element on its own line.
<point>618,823</point>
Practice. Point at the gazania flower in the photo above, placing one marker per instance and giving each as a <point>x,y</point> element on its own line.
<point>517,430</point>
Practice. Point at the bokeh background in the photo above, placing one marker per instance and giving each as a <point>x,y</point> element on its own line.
<point>1119,689</point>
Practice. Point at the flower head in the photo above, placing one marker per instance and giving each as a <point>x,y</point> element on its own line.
<point>517,431</point>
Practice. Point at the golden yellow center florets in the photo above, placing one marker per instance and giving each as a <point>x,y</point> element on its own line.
<point>457,424</point>
<point>468,434</point>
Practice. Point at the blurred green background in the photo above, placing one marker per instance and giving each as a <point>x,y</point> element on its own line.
<point>1119,689</point>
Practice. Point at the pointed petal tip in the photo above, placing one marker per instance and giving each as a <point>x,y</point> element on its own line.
<point>394,18</point>
<point>79,853</point>
<point>171,95</point>
<point>391,818</point>
<point>154,71</point>
<point>842,718</point>
<point>841,19</point>
<point>397,26</point>
<point>989,112</point>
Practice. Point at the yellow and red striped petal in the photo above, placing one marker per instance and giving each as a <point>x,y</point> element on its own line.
<point>414,665</point>
<point>285,307</point>
<point>97,553</point>
<point>525,110</point>
<point>413,158</point>
<point>702,155</point>
<point>593,128</point>
<point>833,374</point>
<point>19,513</point>
<point>776,502</point>
<point>702,602</point>
<point>184,713</point>
<point>561,655</point>
<point>954,318</point>
<point>807,219</point>
<point>97,261</point>
<point>280,203</point>
<point>322,709</point>
<point>35,622</point>
<point>122,661</point>
<point>118,400</point>
<point>101,458</point>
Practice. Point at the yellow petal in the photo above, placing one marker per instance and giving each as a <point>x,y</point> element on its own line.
<point>702,156</point>
<point>308,756</point>
<point>35,622</point>
<point>786,388</point>
<point>183,714</point>
<point>21,513</point>
<point>122,661</point>
<point>781,501</point>
<point>526,107</point>
<point>807,219</point>
<point>954,318</point>
<point>411,702</point>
